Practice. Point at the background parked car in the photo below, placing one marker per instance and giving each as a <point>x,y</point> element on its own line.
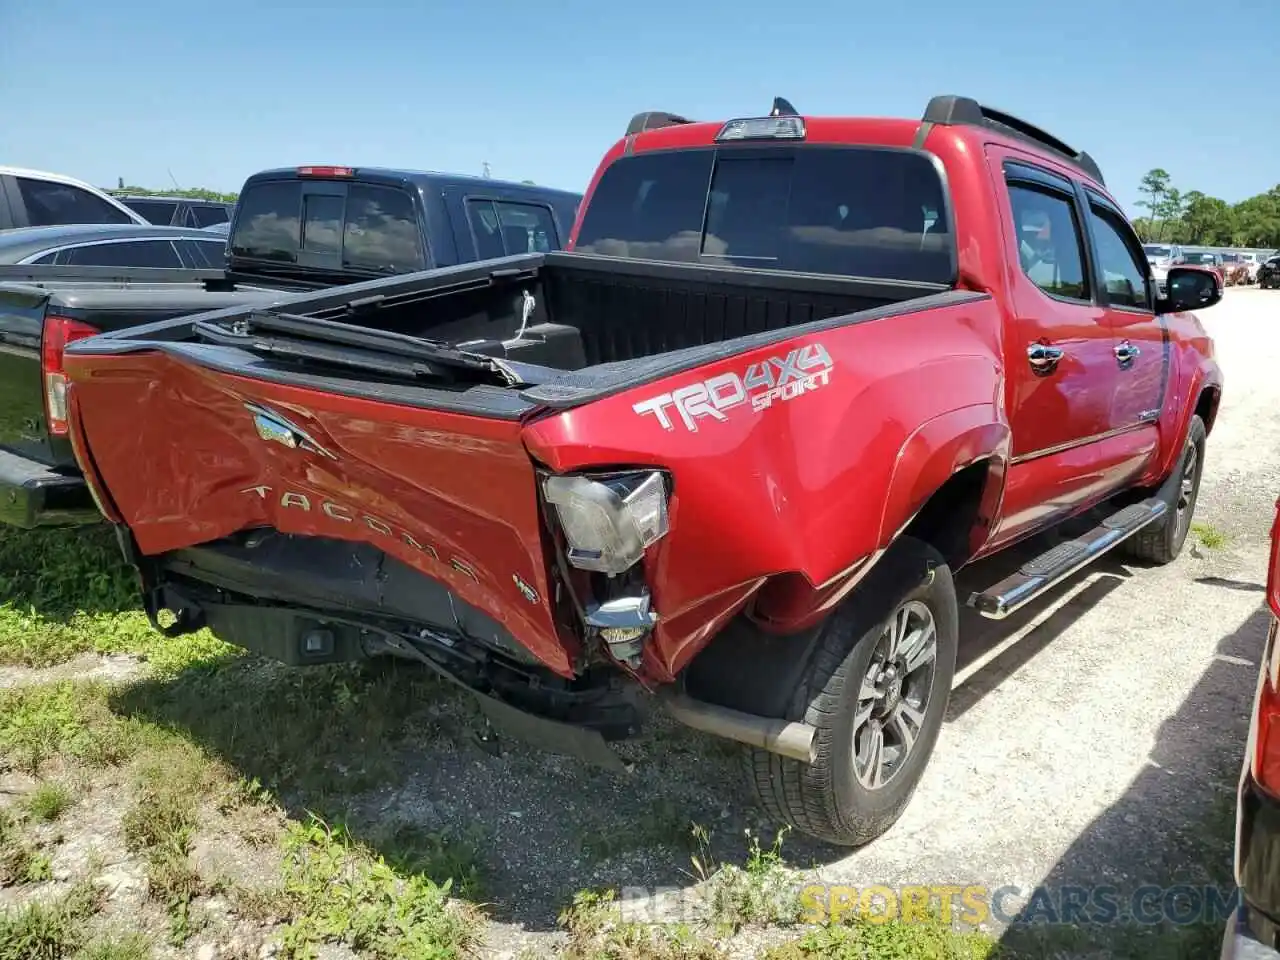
<point>1269,273</point>
<point>1234,270</point>
<point>36,198</point>
<point>113,245</point>
<point>178,211</point>
<point>1162,256</point>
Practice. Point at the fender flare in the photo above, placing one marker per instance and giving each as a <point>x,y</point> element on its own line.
<point>1204,377</point>
<point>934,453</point>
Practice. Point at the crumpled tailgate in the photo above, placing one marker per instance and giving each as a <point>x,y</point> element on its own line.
<point>177,446</point>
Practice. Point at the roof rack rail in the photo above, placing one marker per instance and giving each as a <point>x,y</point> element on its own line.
<point>654,120</point>
<point>948,110</point>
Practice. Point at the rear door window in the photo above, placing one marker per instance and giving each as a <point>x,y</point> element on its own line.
<point>503,228</point>
<point>134,253</point>
<point>201,216</point>
<point>852,211</point>
<point>159,212</point>
<point>51,204</point>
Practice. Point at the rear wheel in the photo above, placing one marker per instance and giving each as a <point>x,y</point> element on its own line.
<point>1162,541</point>
<point>876,692</point>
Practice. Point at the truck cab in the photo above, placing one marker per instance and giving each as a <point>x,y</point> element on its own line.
<point>322,221</point>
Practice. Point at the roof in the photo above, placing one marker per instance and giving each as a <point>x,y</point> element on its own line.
<point>172,198</point>
<point>420,178</point>
<point>71,182</point>
<point>25,241</point>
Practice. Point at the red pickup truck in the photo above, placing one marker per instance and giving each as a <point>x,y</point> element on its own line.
<point>728,449</point>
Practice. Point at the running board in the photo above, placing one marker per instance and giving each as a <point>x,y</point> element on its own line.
<point>1046,571</point>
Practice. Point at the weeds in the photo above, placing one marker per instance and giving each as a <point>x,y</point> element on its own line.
<point>597,930</point>
<point>49,931</point>
<point>49,801</point>
<point>342,893</point>
<point>891,939</point>
<point>1209,536</point>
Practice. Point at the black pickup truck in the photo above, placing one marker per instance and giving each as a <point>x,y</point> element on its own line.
<point>294,229</point>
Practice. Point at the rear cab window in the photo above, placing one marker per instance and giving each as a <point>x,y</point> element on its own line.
<point>857,211</point>
<point>330,225</point>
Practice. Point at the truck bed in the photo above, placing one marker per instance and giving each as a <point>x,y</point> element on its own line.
<point>596,324</point>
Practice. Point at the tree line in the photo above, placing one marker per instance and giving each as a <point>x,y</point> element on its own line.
<point>194,193</point>
<point>1196,218</point>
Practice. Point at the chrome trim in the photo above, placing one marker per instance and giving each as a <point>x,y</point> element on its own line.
<point>1018,589</point>
<point>1043,357</point>
<point>783,737</point>
<point>31,258</point>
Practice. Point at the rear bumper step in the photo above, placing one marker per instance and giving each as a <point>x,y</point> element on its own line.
<point>1046,571</point>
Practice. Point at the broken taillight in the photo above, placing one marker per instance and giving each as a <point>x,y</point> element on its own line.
<point>58,332</point>
<point>1266,742</point>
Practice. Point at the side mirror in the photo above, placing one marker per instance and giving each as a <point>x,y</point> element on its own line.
<point>1190,288</point>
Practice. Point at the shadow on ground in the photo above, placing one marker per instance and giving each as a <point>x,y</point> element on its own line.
<point>395,755</point>
<point>1180,812</point>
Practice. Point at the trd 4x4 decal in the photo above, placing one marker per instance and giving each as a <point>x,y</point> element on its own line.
<point>774,380</point>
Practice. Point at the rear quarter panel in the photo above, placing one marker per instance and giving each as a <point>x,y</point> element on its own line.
<point>802,487</point>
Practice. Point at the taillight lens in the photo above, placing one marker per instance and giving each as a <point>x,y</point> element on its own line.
<point>1266,741</point>
<point>58,332</point>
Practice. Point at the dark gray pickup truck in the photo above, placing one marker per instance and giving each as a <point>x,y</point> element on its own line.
<point>293,229</point>
<point>41,310</point>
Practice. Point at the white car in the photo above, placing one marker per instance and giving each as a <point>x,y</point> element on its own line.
<point>37,198</point>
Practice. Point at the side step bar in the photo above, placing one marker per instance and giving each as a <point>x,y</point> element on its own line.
<point>1042,573</point>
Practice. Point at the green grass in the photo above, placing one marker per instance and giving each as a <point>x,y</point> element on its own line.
<point>865,939</point>
<point>596,931</point>
<point>69,592</point>
<point>341,892</point>
<point>1210,536</point>
<point>49,801</point>
<point>49,931</point>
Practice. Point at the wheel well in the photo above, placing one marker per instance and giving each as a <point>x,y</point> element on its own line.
<point>1207,406</point>
<point>948,517</point>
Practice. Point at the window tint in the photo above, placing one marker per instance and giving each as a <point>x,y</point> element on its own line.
<point>322,223</point>
<point>213,252</point>
<point>381,230</point>
<point>159,212</point>
<point>202,216</point>
<point>526,227</point>
<point>47,258</point>
<point>1123,273</point>
<point>850,211</point>
<point>51,204</point>
<point>135,253</point>
<point>1049,241</point>
<point>267,227</point>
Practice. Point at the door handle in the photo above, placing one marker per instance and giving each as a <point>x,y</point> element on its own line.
<point>1043,358</point>
<point>1126,352</point>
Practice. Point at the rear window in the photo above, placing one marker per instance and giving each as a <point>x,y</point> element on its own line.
<point>159,212</point>
<point>202,216</point>
<point>371,227</point>
<point>852,211</point>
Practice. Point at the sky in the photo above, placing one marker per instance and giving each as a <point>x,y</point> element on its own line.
<point>204,94</point>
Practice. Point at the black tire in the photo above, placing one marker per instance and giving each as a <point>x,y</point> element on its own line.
<point>825,799</point>
<point>1162,541</point>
